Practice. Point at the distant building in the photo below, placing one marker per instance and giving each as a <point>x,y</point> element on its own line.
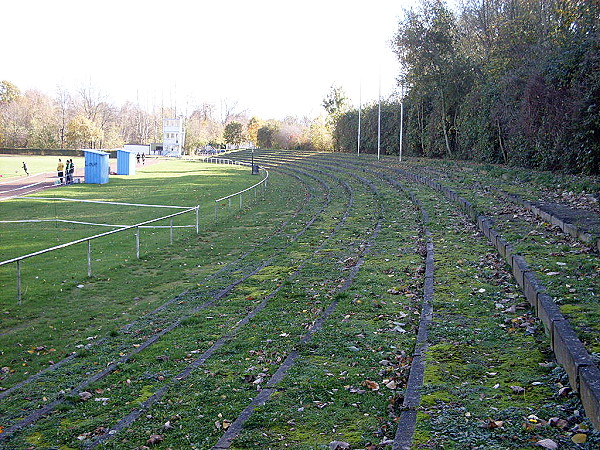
<point>137,148</point>
<point>156,148</point>
<point>173,137</point>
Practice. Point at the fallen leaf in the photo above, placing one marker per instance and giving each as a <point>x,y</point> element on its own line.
<point>558,423</point>
<point>518,389</point>
<point>579,438</point>
<point>373,385</point>
<point>155,439</point>
<point>547,443</point>
<point>564,391</point>
<point>83,396</point>
<point>391,385</point>
<point>492,424</point>
<point>335,445</point>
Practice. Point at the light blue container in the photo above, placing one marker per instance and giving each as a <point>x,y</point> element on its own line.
<point>126,160</point>
<point>96,167</point>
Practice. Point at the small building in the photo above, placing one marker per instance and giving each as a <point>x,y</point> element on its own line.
<point>137,148</point>
<point>96,166</point>
<point>126,162</point>
<point>173,137</point>
<point>156,148</point>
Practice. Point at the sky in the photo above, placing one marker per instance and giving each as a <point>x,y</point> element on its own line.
<point>269,58</point>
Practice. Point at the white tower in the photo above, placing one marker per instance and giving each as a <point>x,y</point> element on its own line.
<point>173,137</point>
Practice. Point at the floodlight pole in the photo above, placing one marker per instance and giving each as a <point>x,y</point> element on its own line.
<point>401,124</point>
<point>401,120</point>
<point>359,114</point>
<point>379,121</point>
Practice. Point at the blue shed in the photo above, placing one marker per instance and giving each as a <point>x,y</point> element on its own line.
<point>126,162</point>
<point>96,166</point>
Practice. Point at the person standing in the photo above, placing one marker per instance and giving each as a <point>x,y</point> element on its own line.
<point>143,158</point>
<point>60,169</point>
<point>68,172</point>
<point>25,168</point>
<point>72,171</point>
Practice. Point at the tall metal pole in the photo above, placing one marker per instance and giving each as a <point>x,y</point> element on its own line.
<point>379,122</point>
<point>401,124</point>
<point>359,114</point>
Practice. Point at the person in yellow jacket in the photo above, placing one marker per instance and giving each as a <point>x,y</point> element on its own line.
<point>60,169</point>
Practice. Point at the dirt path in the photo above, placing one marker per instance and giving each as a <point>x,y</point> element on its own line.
<point>17,187</point>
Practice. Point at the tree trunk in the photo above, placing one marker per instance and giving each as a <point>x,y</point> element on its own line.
<point>502,148</point>
<point>444,125</point>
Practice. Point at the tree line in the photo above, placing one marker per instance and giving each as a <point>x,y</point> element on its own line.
<point>502,81</point>
<point>86,119</point>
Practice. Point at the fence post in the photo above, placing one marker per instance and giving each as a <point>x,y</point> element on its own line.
<point>241,200</point>
<point>89,257</point>
<point>171,231</point>
<point>197,219</point>
<point>216,211</point>
<point>137,242</point>
<point>19,281</point>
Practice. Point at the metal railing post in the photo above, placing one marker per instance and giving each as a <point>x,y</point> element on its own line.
<point>216,210</point>
<point>89,255</point>
<point>137,242</point>
<point>241,200</point>
<point>198,219</point>
<point>19,281</point>
<point>171,231</point>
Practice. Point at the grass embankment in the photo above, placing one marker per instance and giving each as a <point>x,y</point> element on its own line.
<point>568,268</point>
<point>489,379</point>
<point>348,380</point>
<point>485,342</point>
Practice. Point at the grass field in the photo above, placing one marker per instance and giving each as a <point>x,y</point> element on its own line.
<point>47,278</point>
<point>192,332</point>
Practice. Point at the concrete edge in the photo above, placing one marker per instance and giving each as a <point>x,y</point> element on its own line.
<point>584,375</point>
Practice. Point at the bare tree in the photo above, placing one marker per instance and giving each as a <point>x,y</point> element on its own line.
<point>64,108</point>
<point>229,113</point>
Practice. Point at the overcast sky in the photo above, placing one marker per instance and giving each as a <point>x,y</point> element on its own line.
<point>273,57</point>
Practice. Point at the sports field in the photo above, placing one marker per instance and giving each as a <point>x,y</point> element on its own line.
<point>62,214</point>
